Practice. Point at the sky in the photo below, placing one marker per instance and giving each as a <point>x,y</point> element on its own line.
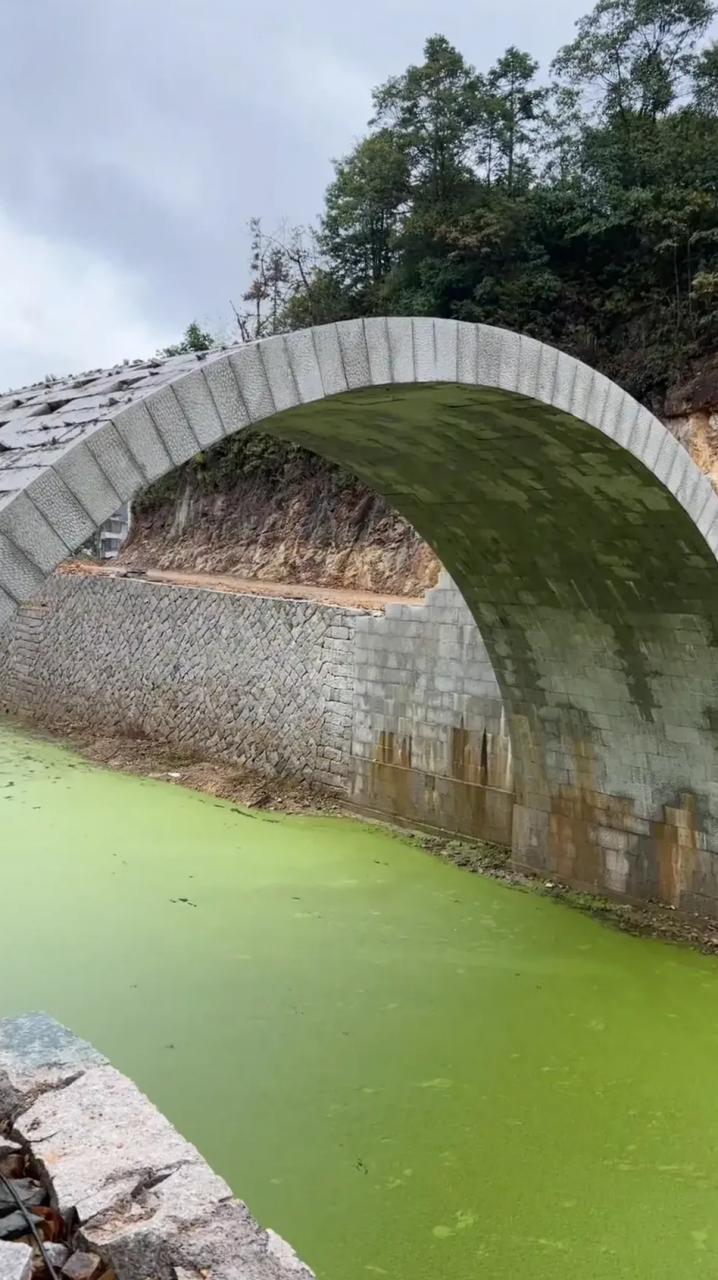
<point>140,136</point>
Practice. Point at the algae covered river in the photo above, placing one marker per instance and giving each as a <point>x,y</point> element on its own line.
<point>406,1070</point>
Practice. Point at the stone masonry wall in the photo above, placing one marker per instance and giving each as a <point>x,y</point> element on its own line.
<point>400,711</point>
<point>429,737</point>
<point>264,683</point>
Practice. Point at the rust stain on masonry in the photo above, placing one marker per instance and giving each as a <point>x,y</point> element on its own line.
<point>391,774</point>
<point>392,750</point>
<point>458,800</point>
<point>676,845</point>
<point>596,840</point>
<point>574,813</point>
<point>599,841</point>
<point>469,760</point>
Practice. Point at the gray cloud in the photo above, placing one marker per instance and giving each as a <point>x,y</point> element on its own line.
<point>144,135</point>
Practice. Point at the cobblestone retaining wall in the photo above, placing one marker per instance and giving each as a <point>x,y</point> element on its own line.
<point>260,682</point>
<point>400,711</point>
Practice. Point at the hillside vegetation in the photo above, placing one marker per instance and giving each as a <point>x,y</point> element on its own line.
<point>578,206</point>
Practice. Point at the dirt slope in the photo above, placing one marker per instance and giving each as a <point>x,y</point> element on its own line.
<point>284,517</point>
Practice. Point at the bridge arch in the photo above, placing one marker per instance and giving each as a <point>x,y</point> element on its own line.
<point>580,533</point>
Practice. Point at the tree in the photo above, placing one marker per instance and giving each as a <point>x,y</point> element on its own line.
<point>363,213</point>
<point>289,287</point>
<point>705,81</point>
<point>195,339</point>
<point>434,111</point>
<point>635,55</point>
<point>512,110</point>
<point>271,277</point>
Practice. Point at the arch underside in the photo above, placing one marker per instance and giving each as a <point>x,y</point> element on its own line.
<point>595,590</point>
<point>597,599</point>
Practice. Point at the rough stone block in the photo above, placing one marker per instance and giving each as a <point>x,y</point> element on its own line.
<point>277,365</point>
<point>529,365</point>
<point>489,354</point>
<point>172,425</point>
<point>87,481</point>
<point>115,461</point>
<point>141,437</point>
<point>32,533</point>
<point>58,1255</point>
<point>378,350</point>
<point>20,578</point>
<point>424,350</point>
<point>37,1055</point>
<point>83,1266</point>
<point>509,362</point>
<point>354,354</point>
<point>641,432</point>
<point>55,501</point>
<point>564,382</point>
<point>15,1261</point>
<point>547,374</point>
<point>655,438</point>
<point>329,355</point>
<point>197,403</point>
<point>304,365</point>
<point>253,383</point>
<point>468,354</point>
<point>670,454</point>
<point>99,1139</point>
<point>446,341</point>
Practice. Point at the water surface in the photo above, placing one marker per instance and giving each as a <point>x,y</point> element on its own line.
<point>406,1070</point>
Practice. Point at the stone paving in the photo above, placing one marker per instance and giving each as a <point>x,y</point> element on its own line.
<point>578,530</point>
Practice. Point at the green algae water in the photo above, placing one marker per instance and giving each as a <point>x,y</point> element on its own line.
<point>406,1070</point>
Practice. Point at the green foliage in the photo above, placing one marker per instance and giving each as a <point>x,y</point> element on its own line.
<point>582,210</point>
<point>433,111</point>
<point>195,339</point>
<point>363,210</point>
<point>241,456</point>
<point>512,108</point>
<point>635,54</point>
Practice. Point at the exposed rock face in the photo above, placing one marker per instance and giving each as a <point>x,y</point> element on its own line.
<point>691,413</point>
<point>144,1200</point>
<point>304,522</point>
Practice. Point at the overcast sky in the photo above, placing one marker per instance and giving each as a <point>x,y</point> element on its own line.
<point>139,136</point>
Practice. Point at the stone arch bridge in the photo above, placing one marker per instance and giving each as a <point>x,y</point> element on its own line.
<point>579,531</point>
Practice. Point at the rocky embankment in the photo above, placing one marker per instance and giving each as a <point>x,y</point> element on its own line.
<point>96,1184</point>
<point>691,413</point>
<point>256,508</point>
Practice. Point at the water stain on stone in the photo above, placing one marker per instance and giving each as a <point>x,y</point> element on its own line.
<point>463,799</point>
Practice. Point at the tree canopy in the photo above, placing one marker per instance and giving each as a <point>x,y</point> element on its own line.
<point>580,207</point>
